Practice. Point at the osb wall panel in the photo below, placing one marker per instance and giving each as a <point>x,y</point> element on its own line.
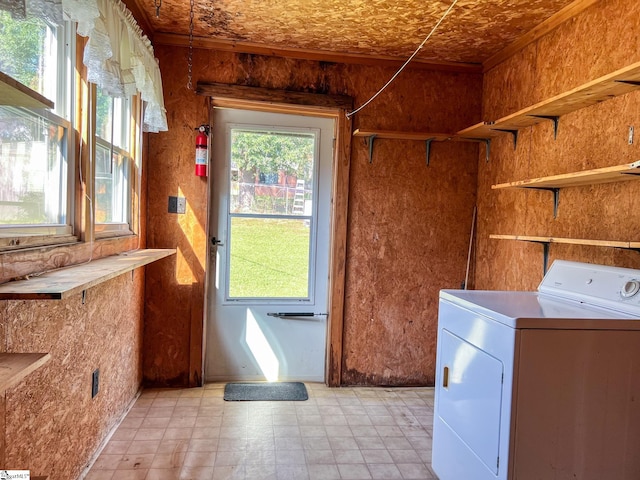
<point>577,52</point>
<point>409,232</point>
<point>174,292</point>
<point>408,224</point>
<point>53,427</point>
<point>600,40</point>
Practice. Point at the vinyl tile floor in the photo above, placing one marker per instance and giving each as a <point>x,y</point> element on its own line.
<point>338,433</point>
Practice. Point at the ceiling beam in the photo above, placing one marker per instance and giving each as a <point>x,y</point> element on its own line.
<point>223,91</point>
<point>539,31</point>
<point>308,54</point>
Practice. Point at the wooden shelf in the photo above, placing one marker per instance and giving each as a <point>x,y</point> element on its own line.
<point>372,135</point>
<point>61,283</point>
<point>389,134</point>
<point>618,173</point>
<point>15,94</point>
<point>617,83</point>
<point>546,241</point>
<point>479,131</point>
<point>15,366</point>
<point>571,241</point>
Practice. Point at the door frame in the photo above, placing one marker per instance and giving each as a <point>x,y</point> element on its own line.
<point>309,104</point>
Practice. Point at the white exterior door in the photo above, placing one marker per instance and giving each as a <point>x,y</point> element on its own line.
<point>268,280</point>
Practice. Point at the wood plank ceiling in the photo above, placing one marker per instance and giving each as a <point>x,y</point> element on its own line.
<point>473,33</point>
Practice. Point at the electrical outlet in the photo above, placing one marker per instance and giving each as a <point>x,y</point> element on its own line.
<point>177,205</point>
<point>95,382</point>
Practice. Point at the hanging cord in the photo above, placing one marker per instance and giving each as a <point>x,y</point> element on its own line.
<point>473,228</point>
<point>84,188</point>
<point>190,58</point>
<point>139,184</point>
<point>350,114</point>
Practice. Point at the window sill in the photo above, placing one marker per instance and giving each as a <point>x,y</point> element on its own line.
<point>64,282</point>
<point>104,234</point>
<point>10,242</point>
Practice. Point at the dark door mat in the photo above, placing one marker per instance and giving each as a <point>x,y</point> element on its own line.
<point>277,391</point>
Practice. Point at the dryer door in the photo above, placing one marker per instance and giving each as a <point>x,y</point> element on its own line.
<point>470,396</point>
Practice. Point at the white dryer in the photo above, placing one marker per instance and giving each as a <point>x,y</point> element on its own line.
<point>540,385</point>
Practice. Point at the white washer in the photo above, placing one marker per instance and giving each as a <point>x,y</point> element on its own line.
<point>540,385</point>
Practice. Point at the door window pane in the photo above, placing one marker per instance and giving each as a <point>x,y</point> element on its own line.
<point>271,172</point>
<point>271,213</point>
<point>269,258</point>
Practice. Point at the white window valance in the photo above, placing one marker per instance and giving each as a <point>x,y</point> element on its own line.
<point>118,56</point>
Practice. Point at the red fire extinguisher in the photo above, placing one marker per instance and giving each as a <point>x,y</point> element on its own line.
<point>202,151</point>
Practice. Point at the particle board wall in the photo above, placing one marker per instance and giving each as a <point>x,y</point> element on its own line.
<point>409,233</point>
<point>52,426</point>
<point>600,40</point>
<point>408,225</point>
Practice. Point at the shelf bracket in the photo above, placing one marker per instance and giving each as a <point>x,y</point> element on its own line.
<point>556,197</point>
<point>428,145</point>
<point>630,82</point>
<point>487,147</point>
<point>554,118</point>
<point>369,141</point>
<point>545,255</point>
<point>486,141</point>
<point>512,132</point>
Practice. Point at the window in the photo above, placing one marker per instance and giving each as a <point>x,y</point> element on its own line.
<point>40,178</point>
<point>35,158</point>
<point>271,218</point>
<point>113,167</point>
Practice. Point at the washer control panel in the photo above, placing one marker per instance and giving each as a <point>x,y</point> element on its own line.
<point>600,285</point>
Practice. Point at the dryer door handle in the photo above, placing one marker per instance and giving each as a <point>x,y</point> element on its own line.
<point>445,377</point>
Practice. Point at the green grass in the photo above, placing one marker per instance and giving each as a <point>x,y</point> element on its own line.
<point>269,258</point>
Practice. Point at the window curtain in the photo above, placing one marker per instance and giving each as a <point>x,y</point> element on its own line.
<point>118,56</point>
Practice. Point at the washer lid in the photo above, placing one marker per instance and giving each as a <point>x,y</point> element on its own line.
<point>534,310</point>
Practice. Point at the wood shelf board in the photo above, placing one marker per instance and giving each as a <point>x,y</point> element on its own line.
<point>16,94</point>
<point>618,173</point>
<point>569,241</point>
<point>15,366</point>
<point>590,93</point>
<point>63,282</point>
<point>478,131</point>
<point>398,135</point>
